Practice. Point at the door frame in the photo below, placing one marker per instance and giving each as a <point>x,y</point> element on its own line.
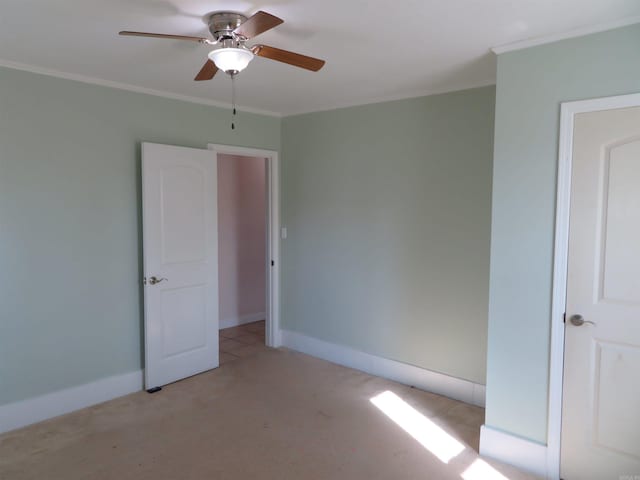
<point>568,111</point>
<point>273,337</point>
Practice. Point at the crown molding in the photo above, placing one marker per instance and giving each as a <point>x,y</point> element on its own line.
<point>131,88</point>
<point>393,98</point>
<point>214,103</point>
<point>555,37</point>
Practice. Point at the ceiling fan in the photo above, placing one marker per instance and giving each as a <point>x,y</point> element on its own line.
<point>230,32</point>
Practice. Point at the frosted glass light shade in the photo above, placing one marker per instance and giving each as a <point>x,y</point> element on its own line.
<point>231,59</point>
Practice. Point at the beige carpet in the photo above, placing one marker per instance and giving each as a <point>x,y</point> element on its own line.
<point>276,415</point>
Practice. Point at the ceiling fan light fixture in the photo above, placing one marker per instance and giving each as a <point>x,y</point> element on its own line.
<point>231,60</point>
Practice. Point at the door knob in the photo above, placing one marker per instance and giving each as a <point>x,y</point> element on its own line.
<point>154,280</point>
<point>578,320</point>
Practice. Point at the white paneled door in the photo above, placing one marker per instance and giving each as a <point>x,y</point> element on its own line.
<point>601,393</point>
<point>179,197</point>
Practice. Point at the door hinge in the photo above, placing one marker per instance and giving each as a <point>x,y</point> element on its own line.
<point>272,263</point>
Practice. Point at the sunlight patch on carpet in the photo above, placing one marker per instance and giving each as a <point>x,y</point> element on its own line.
<point>481,470</point>
<point>427,433</point>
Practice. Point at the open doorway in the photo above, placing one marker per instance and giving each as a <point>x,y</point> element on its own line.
<point>249,248</point>
<point>242,255</point>
<point>180,250</point>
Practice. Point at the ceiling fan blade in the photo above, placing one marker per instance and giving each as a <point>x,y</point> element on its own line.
<point>207,72</point>
<point>258,23</point>
<point>295,59</point>
<point>163,35</point>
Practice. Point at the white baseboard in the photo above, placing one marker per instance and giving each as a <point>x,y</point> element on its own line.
<point>524,454</point>
<point>32,410</point>
<point>235,321</point>
<point>428,380</point>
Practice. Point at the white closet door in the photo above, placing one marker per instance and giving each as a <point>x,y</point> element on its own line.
<point>601,395</point>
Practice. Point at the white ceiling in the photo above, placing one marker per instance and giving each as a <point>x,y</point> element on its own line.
<point>375,49</point>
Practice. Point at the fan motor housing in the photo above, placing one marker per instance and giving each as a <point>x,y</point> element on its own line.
<point>222,24</point>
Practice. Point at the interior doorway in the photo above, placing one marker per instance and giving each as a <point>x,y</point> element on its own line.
<point>180,258</point>
<point>249,248</point>
<point>242,255</point>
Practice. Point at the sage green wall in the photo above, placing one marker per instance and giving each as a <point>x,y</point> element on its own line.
<point>70,300</point>
<point>388,215</point>
<point>531,85</point>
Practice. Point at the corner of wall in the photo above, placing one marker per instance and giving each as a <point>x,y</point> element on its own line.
<point>524,454</point>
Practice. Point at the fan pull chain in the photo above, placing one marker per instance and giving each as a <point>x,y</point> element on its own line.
<point>233,101</point>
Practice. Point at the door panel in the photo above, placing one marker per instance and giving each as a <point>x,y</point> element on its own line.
<point>601,391</point>
<point>184,319</point>
<point>621,264</point>
<point>180,249</point>
<point>617,400</point>
<point>183,236</point>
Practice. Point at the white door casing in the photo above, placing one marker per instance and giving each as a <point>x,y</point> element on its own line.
<point>601,381</point>
<point>179,202</point>
<point>272,334</point>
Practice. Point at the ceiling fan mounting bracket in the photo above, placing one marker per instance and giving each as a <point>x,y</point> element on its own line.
<point>222,24</point>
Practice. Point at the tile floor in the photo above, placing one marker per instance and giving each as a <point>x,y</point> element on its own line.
<point>241,341</point>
